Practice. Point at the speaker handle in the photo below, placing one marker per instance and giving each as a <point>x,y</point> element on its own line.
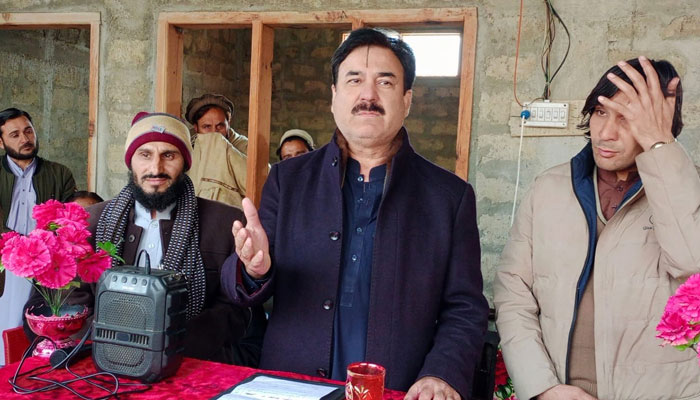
<point>148,261</point>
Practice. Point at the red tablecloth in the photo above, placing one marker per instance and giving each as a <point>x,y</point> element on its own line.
<point>195,379</point>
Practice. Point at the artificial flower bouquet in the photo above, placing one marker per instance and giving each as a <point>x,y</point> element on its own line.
<point>680,323</point>
<point>56,256</point>
<point>503,389</point>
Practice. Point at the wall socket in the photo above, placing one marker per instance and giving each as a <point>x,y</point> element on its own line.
<point>573,116</point>
<point>546,114</point>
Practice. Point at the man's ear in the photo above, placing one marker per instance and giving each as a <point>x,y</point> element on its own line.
<point>407,99</point>
<point>332,96</point>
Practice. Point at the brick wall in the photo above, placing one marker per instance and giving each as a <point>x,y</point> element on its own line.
<point>46,73</point>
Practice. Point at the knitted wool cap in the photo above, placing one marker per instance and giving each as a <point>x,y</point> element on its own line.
<point>158,127</point>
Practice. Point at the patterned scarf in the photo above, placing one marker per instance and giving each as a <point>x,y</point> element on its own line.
<point>182,254</point>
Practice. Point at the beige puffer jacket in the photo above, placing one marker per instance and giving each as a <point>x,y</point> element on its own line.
<point>645,252</point>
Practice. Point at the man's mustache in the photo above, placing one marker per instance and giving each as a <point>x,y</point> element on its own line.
<point>27,146</point>
<point>368,106</point>
<point>159,176</point>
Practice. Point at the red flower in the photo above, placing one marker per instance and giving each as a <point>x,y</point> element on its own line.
<point>501,371</point>
<point>91,267</point>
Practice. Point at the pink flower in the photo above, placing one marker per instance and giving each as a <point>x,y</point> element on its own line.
<point>48,237</point>
<point>26,256</point>
<point>62,270</point>
<point>62,222</point>
<point>46,212</point>
<point>6,238</point>
<point>675,330</point>
<point>75,213</point>
<point>74,240</point>
<point>91,268</point>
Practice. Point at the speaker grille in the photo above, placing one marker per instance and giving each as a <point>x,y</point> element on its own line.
<point>126,310</point>
<point>123,359</point>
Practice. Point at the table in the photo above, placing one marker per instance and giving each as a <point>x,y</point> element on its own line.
<point>196,379</point>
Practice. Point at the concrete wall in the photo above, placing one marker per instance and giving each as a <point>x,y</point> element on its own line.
<point>45,72</point>
<point>603,32</point>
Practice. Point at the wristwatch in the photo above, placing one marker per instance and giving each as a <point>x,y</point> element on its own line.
<point>659,144</point>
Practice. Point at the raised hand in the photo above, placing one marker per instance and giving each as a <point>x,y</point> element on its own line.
<point>648,114</point>
<point>252,246</point>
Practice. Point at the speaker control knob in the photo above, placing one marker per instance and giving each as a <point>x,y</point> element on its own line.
<point>124,279</point>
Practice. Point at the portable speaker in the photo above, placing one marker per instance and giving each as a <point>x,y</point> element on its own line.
<point>139,326</point>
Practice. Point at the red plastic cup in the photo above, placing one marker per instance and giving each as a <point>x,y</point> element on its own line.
<point>365,381</point>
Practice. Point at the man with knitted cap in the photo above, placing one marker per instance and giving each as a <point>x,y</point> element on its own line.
<point>218,160</point>
<point>158,211</point>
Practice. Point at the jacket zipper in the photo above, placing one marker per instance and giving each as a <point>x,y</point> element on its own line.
<point>578,283</point>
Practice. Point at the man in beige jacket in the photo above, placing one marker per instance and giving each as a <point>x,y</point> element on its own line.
<point>218,161</point>
<point>598,246</point>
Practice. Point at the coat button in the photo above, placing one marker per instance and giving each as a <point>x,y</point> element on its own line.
<point>334,235</point>
<point>322,372</point>
<point>335,161</point>
<point>132,238</point>
<point>328,304</point>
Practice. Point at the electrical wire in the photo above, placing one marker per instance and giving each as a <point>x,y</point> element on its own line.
<point>523,116</point>
<point>517,53</point>
<point>35,375</point>
<point>552,17</point>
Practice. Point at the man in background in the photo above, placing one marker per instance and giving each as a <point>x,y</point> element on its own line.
<point>294,142</point>
<point>85,198</point>
<point>218,158</point>
<point>25,181</point>
<point>212,112</point>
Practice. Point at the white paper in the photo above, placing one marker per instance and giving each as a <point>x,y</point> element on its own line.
<point>271,388</point>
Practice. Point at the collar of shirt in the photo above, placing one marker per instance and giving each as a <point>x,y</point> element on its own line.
<point>611,191</point>
<point>375,174</point>
<point>150,237</point>
<point>17,170</point>
<point>142,215</point>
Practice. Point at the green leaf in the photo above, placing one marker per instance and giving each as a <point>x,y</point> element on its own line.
<point>111,249</point>
<point>71,285</point>
<point>2,268</point>
<point>53,226</point>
